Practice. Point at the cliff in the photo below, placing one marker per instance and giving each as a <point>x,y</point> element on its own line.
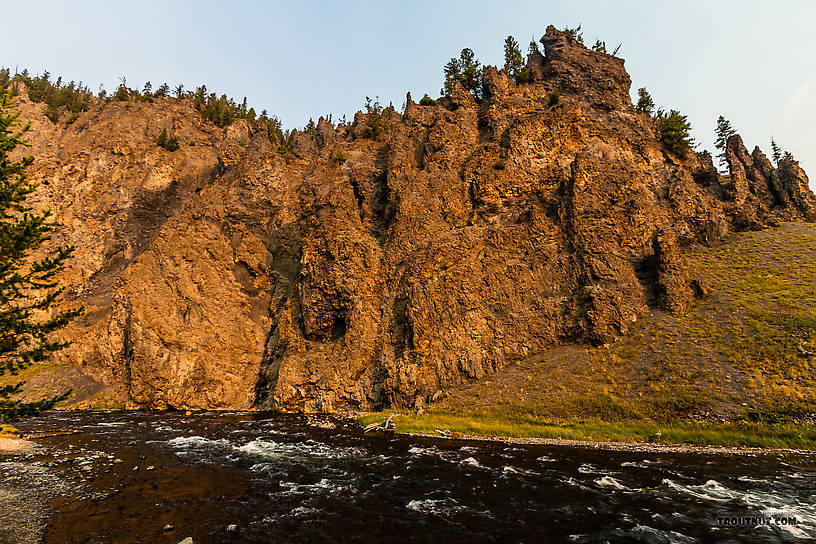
<point>466,237</point>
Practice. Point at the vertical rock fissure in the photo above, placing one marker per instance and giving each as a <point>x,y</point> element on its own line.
<point>127,352</point>
<point>269,369</point>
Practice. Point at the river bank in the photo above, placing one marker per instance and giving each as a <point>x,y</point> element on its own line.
<point>12,442</point>
<point>680,436</point>
<point>15,445</point>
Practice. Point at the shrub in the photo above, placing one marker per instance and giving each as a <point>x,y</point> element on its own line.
<point>286,142</point>
<point>674,132</point>
<point>555,98</point>
<point>500,164</point>
<point>52,114</point>
<point>338,157</point>
<point>576,33</point>
<point>71,119</point>
<point>172,144</point>
<point>426,101</point>
<point>374,117</point>
<point>122,93</point>
<point>169,143</point>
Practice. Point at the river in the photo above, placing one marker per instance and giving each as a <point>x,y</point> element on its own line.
<point>251,477</point>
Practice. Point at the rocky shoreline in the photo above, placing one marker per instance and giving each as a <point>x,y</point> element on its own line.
<point>15,445</point>
<point>641,447</point>
<point>23,493</point>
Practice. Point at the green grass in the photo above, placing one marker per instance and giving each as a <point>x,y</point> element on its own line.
<point>101,401</point>
<point>737,434</point>
<point>26,374</point>
<point>766,283</point>
<point>8,431</point>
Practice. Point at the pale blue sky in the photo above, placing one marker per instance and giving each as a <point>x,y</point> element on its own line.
<point>752,61</point>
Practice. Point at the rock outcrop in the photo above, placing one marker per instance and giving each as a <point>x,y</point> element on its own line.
<point>468,236</point>
<point>763,192</point>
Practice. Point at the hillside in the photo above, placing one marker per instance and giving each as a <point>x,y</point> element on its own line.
<point>747,349</point>
<point>378,263</point>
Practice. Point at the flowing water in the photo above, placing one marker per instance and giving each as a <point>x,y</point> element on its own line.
<point>236,477</point>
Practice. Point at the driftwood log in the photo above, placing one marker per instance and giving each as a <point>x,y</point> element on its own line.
<point>387,425</point>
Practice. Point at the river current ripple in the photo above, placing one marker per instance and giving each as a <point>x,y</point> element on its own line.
<point>238,477</point>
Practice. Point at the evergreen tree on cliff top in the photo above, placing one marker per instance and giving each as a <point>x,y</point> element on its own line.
<point>645,104</point>
<point>777,152</point>
<point>467,70</point>
<point>28,289</point>
<point>674,129</point>
<point>723,131</point>
<point>514,62</point>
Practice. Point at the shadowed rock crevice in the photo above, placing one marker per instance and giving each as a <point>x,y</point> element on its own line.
<point>646,270</point>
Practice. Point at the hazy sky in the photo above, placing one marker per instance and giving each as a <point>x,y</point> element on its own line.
<point>751,61</point>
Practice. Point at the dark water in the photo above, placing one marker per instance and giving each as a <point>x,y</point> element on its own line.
<point>128,475</point>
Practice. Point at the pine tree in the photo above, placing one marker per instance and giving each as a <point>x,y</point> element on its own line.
<point>162,91</point>
<point>172,143</point>
<point>533,48</point>
<point>513,61</point>
<point>645,104</point>
<point>28,289</point>
<point>777,152</point>
<point>600,46</point>
<point>674,132</point>
<point>310,126</point>
<point>576,33</point>
<point>466,70</point>
<point>723,131</point>
<point>452,74</point>
<point>162,140</point>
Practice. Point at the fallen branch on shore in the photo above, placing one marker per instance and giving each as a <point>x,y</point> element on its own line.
<point>387,425</point>
<point>46,434</point>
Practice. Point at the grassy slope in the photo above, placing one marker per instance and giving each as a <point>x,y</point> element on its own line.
<point>8,431</point>
<point>46,380</point>
<point>497,424</point>
<point>735,370</point>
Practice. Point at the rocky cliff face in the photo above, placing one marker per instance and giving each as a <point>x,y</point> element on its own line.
<point>468,236</point>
